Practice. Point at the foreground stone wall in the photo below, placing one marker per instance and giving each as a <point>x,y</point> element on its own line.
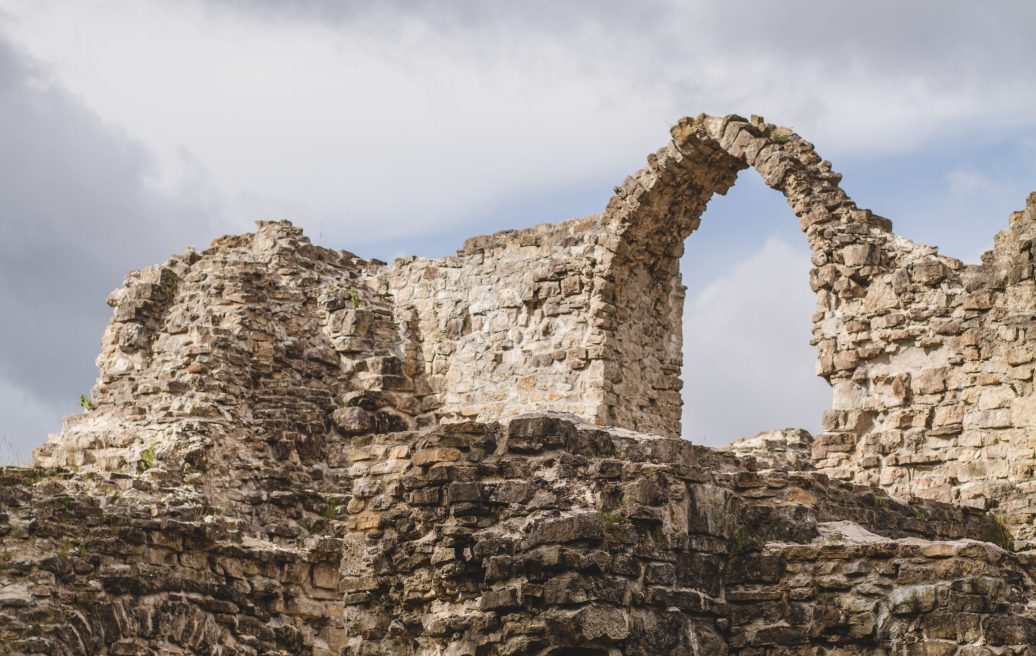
<point>547,536</point>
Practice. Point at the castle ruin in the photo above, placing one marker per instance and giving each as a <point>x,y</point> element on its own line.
<point>295,450</point>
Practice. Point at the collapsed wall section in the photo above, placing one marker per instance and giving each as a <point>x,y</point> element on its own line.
<point>256,350</point>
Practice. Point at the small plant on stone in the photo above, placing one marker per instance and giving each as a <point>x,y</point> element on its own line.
<point>86,403</point>
<point>1000,535</point>
<point>612,523</point>
<point>331,512</point>
<point>147,457</point>
<point>38,474</point>
<point>879,500</point>
<point>328,294</point>
<point>354,298</point>
<point>781,135</point>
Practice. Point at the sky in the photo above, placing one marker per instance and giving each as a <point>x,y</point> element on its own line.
<point>129,131</point>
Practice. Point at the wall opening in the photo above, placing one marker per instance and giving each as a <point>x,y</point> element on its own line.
<point>748,365</point>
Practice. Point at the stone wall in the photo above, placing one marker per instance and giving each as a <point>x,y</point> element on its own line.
<point>508,324</point>
<point>928,358</point>
<point>281,341</point>
<point>548,536</point>
<point>931,363</point>
<point>294,449</point>
<point>262,340</point>
<point>585,315</point>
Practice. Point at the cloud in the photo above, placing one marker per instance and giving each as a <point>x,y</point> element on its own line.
<point>25,421</point>
<point>748,365</point>
<point>966,183</point>
<point>77,213</point>
<point>384,120</point>
<point>129,130</point>
<point>873,75</point>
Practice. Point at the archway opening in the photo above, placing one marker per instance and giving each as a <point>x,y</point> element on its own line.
<point>748,365</point>
<point>654,212</point>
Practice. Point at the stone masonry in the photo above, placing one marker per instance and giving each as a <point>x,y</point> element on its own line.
<point>544,536</point>
<point>296,450</point>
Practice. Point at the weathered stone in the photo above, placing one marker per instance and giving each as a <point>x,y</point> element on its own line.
<point>295,450</point>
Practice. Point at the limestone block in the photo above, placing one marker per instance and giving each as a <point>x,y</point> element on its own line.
<point>1023,412</point>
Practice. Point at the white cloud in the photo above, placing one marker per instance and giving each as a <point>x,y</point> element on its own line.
<point>748,365</point>
<point>390,119</point>
<point>966,183</point>
<point>77,213</point>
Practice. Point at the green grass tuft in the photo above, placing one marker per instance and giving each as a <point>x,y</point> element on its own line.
<point>781,135</point>
<point>147,457</point>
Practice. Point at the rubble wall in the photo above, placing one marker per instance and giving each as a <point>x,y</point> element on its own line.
<point>547,536</point>
<point>929,359</point>
<point>280,342</point>
<point>293,449</point>
<point>507,325</point>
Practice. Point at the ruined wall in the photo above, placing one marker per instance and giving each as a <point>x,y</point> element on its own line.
<point>545,537</point>
<point>263,342</point>
<point>508,324</point>
<point>585,315</point>
<point>931,363</point>
<point>929,359</point>
<point>280,342</point>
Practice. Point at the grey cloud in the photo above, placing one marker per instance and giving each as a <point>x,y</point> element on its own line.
<point>544,15</point>
<point>76,213</point>
<point>952,37</point>
<point>822,66</point>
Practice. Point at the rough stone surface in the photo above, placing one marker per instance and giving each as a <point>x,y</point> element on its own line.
<point>789,448</point>
<point>543,536</point>
<point>295,450</point>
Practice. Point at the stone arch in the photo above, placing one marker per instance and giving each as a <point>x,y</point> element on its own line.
<point>657,208</point>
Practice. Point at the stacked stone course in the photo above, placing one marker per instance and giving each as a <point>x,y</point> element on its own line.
<point>549,536</point>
